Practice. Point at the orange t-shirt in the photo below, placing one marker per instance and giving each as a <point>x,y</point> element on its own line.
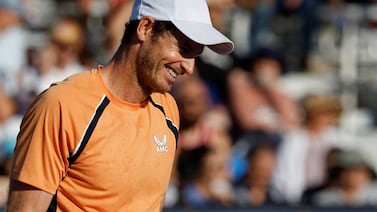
<point>127,162</point>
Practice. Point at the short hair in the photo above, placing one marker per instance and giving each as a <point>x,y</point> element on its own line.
<point>159,27</point>
<point>262,145</point>
<point>190,163</point>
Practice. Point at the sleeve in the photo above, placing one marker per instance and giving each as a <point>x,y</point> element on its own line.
<point>40,155</point>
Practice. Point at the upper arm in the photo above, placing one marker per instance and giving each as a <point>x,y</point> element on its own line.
<point>24,197</point>
<point>41,153</point>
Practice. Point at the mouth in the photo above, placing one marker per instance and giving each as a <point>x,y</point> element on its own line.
<point>172,72</point>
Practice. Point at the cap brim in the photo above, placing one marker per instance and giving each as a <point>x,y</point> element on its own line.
<point>206,35</point>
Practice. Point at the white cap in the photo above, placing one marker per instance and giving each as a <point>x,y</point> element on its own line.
<point>191,17</point>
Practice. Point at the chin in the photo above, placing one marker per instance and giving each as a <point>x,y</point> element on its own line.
<point>164,88</point>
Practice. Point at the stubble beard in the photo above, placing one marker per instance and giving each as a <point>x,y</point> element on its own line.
<point>147,72</point>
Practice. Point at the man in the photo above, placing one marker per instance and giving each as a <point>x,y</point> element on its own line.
<point>104,140</point>
<point>13,41</point>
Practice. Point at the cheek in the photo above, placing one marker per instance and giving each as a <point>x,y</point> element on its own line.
<point>168,52</point>
<point>146,61</point>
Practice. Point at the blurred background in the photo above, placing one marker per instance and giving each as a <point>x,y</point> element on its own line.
<point>287,121</point>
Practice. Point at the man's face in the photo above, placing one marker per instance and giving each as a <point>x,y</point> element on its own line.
<point>163,58</point>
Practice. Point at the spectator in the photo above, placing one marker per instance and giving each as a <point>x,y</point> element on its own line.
<point>193,102</point>
<point>43,61</point>
<point>355,186</point>
<point>203,123</point>
<point>193,99</point>
<point>8,105</point>
<point>256,99</point>
<point>334,17</point>
<point>205,178</point>
<point>255,188</point>
<point>200,119</point>
<point>211,131</point>
<point>246,18</point>
<point>301,157</point>
<point>330,178</point>
<point>67,36</point>
<point>204,146</point>
<point>9,124</point>
<point>288,26</point>
<point>114,28</point>
<point>13,44</point>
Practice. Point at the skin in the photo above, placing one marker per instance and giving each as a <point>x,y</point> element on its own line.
<point>259,173</point>
<point>136,70</point>
<point>248,96</point>
<point>147,63</point>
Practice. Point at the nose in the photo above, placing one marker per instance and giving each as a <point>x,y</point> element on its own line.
<point>188,65</point>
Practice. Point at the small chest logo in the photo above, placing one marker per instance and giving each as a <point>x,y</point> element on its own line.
<point>161,144</point>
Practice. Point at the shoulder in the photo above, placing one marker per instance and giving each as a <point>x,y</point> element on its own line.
<point>73,87</point>
<point>69,93</point>
<point>80,80</point>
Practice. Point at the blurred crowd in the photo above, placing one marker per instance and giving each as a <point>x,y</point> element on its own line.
<point>287,119</point>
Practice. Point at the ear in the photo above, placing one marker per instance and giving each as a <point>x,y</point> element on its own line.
<point>145,27</point>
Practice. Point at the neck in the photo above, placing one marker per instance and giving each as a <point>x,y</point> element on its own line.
<point>314,128</point>
<point>120,76</point>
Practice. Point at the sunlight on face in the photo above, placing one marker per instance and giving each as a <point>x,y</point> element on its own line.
<point>164,58</point>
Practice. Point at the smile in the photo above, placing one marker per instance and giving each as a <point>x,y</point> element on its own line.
<point>172,73</point>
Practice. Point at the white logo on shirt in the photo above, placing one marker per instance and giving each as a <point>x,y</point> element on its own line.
<point>161,144</point>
